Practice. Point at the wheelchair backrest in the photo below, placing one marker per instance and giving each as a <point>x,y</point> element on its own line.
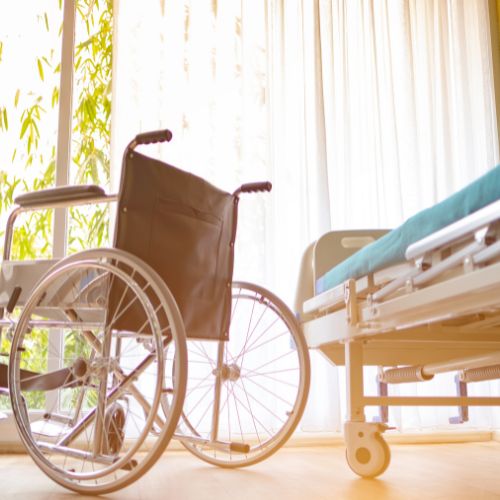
<point>184,228</point>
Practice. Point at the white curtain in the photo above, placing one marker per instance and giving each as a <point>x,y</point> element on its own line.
<point>409,104</point>
<point>360,112</point>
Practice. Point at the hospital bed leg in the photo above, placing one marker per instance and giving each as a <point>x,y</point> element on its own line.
<point>367,453</point>
<point>463,411</point>
<point>466,376</point>
<point>382,390</point>
<point>354,379</point>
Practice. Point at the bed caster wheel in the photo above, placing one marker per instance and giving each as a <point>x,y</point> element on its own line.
<point>367,454</point>
<point>114,422</point>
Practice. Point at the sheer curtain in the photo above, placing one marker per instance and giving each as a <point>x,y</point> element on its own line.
<point>410,118</point>
<point>360,112</point>
<point>409,104</point>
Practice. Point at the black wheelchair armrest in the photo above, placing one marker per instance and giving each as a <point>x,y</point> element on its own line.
<point>62,194</point>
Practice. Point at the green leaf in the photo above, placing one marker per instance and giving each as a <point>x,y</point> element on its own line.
<point>46,19</point>
<point>34,128</point>
<point>55,96</point>
<point>40,68</point>
<point>16,98</point>
<point>5,121</point>
<point>24,126</point>
<point>84,44</point>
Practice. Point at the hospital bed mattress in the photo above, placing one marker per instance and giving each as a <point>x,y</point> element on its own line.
<point>418,285</point>
<point>390,249</point>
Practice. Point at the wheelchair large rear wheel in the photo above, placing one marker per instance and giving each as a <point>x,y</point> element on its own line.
<point>88,371</point>
<point>246,396</point>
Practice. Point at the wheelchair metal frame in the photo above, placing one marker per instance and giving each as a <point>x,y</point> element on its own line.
<point>106,391</point>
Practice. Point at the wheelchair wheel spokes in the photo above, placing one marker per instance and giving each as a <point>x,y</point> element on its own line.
<point>87,371</point>
<point>245,396</point>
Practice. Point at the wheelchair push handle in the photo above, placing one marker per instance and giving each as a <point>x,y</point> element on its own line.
<point>253,187</point>
<point>151,138</point>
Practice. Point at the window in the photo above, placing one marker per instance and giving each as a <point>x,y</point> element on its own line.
<point>61,84</point>
<point>55,109</point>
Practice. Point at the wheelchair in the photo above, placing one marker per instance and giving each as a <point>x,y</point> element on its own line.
<point>116,351</point>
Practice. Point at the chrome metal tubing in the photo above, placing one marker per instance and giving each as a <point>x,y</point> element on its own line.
<point>430,401</point>
<point>75,453</point>
<point>215,445</point>
<point>217,390</point>
<point>5,323</point>
<point>478,361</point>
<point>9,228</point>
<point>454,260</point>
<point>112,396</point>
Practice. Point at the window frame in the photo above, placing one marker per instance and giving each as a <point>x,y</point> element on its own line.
<point>9,439</point>
<point>63,150</point>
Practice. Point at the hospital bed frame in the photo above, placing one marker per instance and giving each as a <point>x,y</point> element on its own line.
<point>437,312</point>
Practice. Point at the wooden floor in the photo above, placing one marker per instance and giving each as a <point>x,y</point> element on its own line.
<point>441,471</point>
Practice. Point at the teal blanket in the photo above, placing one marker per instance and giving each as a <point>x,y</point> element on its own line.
<point>390,249</point>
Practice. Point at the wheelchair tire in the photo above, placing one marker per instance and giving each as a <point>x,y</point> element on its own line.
<point>259,380</point>
<point>85,384</point>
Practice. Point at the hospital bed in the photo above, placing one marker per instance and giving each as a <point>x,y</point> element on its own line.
<point>417,301</point>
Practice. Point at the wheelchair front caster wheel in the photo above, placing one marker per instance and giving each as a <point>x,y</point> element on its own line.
<point>367,454</point>
<point>114,423</point>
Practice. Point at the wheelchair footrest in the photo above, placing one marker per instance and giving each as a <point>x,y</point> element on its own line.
<point>216,445</point>
<point>239,447</point>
